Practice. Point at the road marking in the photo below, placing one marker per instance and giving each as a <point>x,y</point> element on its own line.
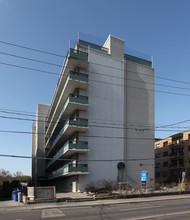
<point>146,207</point>
<point>52,213</point>
<point>157,216</point>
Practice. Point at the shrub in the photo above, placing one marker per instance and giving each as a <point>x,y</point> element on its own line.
<point>91,187</point>
<point>101,186</point>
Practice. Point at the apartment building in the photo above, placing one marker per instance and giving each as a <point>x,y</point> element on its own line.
<point>172,157</point>
<point>97,125</point>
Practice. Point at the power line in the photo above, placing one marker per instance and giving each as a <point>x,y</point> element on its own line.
<point>53,73</point>
<point>87,160</point>
<point>143,127</point>
<point>140,129</point>
<point>159,77</point>
<point>85,135</point>
<point>133,87</point>
<point>102,121</point>
<point>30,59</point>
<point>33,49</point>
<point>111,76</point>
<point>59,55</point>
<point>28,68</point>
<point>181,122</point>
<point>97,136</point>
<point>40,61</point>
<point>19,112</point>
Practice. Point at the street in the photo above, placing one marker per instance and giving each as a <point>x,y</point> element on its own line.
<point>172,209</point>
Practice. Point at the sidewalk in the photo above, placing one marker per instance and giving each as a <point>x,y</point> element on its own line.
<point>15,206</point>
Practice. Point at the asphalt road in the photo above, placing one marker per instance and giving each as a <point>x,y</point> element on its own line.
<point>171,209</point>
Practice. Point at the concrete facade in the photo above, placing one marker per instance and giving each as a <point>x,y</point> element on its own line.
<point>107,127</point>
<point>38,143</point>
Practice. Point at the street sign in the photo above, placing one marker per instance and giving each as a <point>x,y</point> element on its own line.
<point>144,176</point>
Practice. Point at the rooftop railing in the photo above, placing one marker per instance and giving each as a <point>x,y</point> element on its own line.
<point>138,60</point>
<point>93,46</point>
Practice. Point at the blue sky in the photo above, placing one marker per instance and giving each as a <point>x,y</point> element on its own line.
<point>159,28</point>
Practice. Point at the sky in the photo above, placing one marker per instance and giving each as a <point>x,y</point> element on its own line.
<point>157,28</point>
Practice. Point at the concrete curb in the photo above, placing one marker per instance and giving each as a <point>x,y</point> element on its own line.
<point>92,203</point>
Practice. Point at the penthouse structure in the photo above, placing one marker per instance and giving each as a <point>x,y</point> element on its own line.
<point>97,125</point>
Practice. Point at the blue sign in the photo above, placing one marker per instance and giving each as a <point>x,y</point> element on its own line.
<point>144,176</point>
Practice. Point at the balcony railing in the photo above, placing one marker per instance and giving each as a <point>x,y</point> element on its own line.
<point>178,144</point>
<point>78,77</point>
<point>70,169</point>
<point>175,155</point>
<point>77,54</point>
<point>77,99</point>
<point>72,53</point>
<point>69,146</point>
<point>80,122</point>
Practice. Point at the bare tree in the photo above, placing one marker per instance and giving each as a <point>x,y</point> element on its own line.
<point>18,174</point>
<point>5,175</point>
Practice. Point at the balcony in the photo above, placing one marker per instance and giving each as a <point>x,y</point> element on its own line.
<point>74,59</point>
<point>74,80</point>
<point>70,126</point>
<point>177,144</point>
<point>71,104</point>
<point>176,155</point>
<point>70,170</point>
<point>77,54</point>
<point>69,149</point>
<point>176,165</point>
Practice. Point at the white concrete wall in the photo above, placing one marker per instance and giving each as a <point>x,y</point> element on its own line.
<point>106,108</point>
<point>117,104</point>
<point>139,114</point>
<point>115,47</point>
<point>41,114</point>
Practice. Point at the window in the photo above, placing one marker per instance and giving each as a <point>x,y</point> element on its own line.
<point>188,148</point>
<point>181,162</point>
<point>157,146</point>
<point>165,154</point>
<point>157,165</point>
<point>165,174</point>
<point>165,164</point>
<point>158,155</point>
<point>189,136</point>
<point>157,175</point>
<point>165,144</point>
